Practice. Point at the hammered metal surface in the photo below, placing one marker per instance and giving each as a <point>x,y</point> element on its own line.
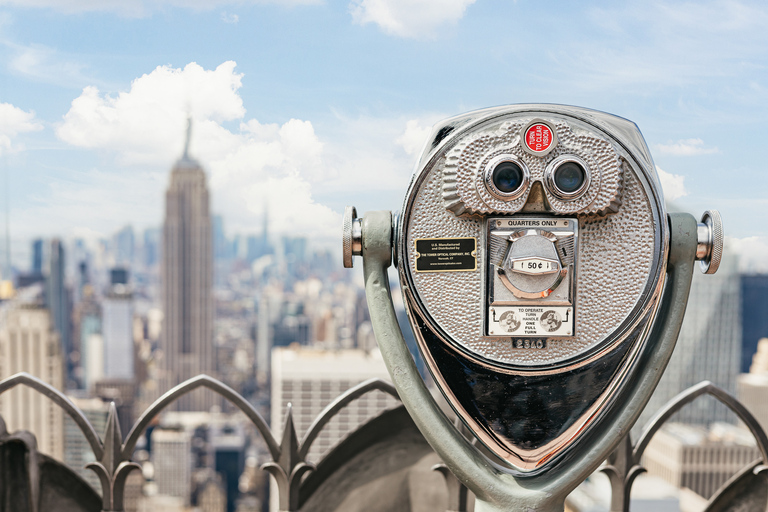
<point>454,296</point>
<point>464,189</point>
<point>614,262</point>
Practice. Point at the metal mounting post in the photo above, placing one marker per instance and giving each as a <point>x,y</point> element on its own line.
<point>495,489</point>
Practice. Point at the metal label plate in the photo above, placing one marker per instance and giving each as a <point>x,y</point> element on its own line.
<point>446,254</point>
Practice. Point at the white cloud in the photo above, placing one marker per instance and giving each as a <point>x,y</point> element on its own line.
<point>14,121</point>
<point>686,147</point>
<point>249,168</point>
<point>44,64</point>
<point>144,124</point>
<point>413,138</point>
<point>673,185</point>
<point>752,253</point>
<point>417,19</point>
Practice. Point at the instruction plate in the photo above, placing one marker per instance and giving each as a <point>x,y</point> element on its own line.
<point>524,321</point>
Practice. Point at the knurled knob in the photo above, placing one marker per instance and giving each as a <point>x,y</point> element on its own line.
<point>351,236</point>
<point>709,250</point>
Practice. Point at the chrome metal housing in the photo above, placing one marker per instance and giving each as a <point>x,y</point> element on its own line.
<point>451,357</point>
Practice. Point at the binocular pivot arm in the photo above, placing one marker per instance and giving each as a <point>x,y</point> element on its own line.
<point>495,489</point>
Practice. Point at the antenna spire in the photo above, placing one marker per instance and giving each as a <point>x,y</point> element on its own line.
<point>189,136</point>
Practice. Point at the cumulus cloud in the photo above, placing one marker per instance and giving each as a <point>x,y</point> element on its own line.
<point>686,147</point>
<point>418,19</point>
<point>143,124</point>
<point>413,138</point>
<point>672,184</point>
<point>302,179</point>
<point>253,167</point>
<point>14,121</point>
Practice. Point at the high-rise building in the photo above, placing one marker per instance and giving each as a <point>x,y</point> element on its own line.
<point>77,450</point>
<point>151,247</point>
<point>708,348</point>
<point>35,274</point>
<point>37,256</point>
<point>228,443</point>
<point>698,458</point>
<point>117,325</point>
<point>310,379</point>
<point>172,460</point>
<point>222,249</point>
<point>87,323</point>
<point>57,299</point>
<point>123,246</point>
<point>754,321</point>
<point>30,343</point>
<point>187,280</point>
<point>753,386</point>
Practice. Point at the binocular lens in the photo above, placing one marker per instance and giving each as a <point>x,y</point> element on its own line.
<point>569,177</point>
<point>508,177</point>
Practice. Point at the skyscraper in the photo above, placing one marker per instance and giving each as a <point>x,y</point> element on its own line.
<point>708,348</point>
<point>57,300</point>
<point>754,322</point>
<point>117,328</point>
<point>187,276</point>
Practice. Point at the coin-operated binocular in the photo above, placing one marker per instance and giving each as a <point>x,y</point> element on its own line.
<point>545,284</point>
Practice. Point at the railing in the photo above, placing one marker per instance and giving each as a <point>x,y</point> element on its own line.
<point>748,489</point>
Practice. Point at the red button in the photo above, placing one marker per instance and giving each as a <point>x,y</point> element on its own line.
<point>538,137</point>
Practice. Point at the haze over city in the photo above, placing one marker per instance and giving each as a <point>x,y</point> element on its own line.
<point>303,107</point>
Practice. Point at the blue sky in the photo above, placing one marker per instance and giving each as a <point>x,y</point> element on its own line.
<point>303,107</point>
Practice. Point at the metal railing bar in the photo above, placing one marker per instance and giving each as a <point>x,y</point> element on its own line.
<point>337,405</point>
<point>94,440</point>
<point>187,386</point>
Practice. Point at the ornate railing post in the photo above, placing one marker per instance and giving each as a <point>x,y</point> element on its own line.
<point>290,467</point>
<point>624,464</point>
<point>112,469</point>
<point>289,458</point>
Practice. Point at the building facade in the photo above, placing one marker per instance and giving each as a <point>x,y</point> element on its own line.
<point>708,348</point>
<point>310,379</point>
<point>172,460</point>
<point>700,459</point>
<point>187,280</point>
<point>29,343</point>
<point>77,450</point>
<point>754,321</point>
<point>117,311</point>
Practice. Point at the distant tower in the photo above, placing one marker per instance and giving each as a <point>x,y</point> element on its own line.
<point>187,276</point>
<point>117,327</point>
<point>708,347</point>
<point>58,301</point>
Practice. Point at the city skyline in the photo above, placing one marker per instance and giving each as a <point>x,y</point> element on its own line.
<point>306,107</point>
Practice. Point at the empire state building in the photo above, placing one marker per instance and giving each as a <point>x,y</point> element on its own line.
<point>186,281</point>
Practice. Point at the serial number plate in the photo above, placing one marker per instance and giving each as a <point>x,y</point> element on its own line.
<point>446,254</point>
<point>520,321</point>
